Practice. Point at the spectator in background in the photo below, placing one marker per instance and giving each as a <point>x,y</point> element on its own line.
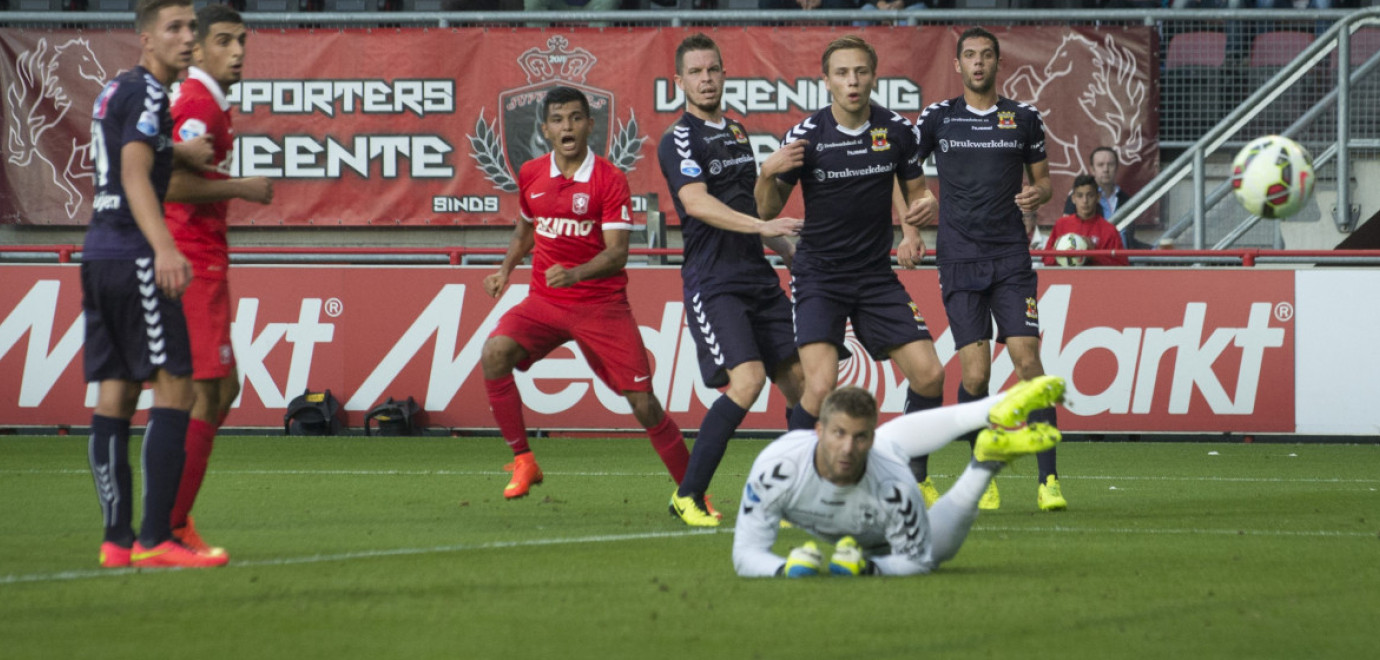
<point>572,5</point>
<point>1087,221</point>
<point>1104,163</point>
<point>807,4</point>
<point>890,5</point>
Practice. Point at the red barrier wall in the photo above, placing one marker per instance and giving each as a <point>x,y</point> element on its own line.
<point>1211,351</point>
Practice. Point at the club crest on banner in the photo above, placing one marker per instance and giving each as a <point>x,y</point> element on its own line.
<point>501,145</point>
<point>38,100</point>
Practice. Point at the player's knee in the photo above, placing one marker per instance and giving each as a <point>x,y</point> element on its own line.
<point>229,391</point>
<point>745,384</point>
<point>498,357</point>
<point>646,408</point>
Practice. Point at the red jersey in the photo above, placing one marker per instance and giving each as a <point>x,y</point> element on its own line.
<point>200,108</point>
<point>1101,235</point>
<point>569,218</point>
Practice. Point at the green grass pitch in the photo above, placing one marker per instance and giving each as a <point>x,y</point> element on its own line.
<point>393,548</point>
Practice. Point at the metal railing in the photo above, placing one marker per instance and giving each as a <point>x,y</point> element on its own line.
<point>1336,39</point>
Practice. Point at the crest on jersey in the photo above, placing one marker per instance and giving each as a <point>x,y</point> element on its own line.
<point>879,141</point>
<point>1006,120</point>
<point>738,134</point>
<point>500,146</point>
<point>579,203</point>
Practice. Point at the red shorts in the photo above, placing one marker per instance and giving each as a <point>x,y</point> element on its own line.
<point>206,304</point>
<point>607,335</point>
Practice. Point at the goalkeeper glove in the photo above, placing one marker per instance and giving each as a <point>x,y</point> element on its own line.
<point>848,559</point>
<point>803,561</point>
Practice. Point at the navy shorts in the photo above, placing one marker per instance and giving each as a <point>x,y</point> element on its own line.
<point>977,292</point>
<point>132,330</point>
<point>731,328</point>
<point>884,317</point>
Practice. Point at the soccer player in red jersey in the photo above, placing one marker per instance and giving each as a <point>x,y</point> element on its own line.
<point>196,217</point>
<point>575,213</point>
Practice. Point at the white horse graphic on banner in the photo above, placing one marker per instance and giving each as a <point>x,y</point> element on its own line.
<point>38,102</point>
<point>1110,91</point>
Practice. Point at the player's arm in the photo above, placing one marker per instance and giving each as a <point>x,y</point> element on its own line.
<point>524,238</point>
<point>608,262</point>
<point>1038,190</point>
<point>194,154</point>
<point>782,246</point>
<point>907,532</point>
<point>754,533</point>
<point>771,192</point>
<point>709,209</point>
<point>920,208</point>
<point>190,188</point>
<point>171,270</point>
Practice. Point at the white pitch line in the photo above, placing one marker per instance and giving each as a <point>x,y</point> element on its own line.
<point>363,554</point>
<point>1322,533</point>
<point>488,473</point>
<point>611,538</point>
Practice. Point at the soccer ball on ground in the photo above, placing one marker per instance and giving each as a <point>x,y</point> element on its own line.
<point>1070,242</point>
<point>1272,176</point>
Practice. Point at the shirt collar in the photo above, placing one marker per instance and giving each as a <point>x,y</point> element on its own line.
<point>581,175</point>
<point>211,85</point>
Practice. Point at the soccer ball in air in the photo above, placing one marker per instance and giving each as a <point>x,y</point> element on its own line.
<point>1070,242</point>
<point>1272,176</point>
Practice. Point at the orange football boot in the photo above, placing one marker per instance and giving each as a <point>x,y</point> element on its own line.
<point>525,473</point>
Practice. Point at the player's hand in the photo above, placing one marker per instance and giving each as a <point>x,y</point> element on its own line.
<point>171,272</point>
<point>910,252</point>
<point>785,159</point>
<point>495,283</point>
<point>780,227</point>
<point>921,212</point>
<point>256,189</point>
<point>1029,198</point>
<point>559,277</point>
<point>803,561</point>
<point>848,559</point>
<point>196,153</point>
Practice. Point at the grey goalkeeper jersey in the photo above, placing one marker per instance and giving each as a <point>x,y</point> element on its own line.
<point>884,511</point>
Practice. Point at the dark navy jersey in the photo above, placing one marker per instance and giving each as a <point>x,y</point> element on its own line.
<point>719,156</point>
<point>981,158</point>
<point>847,180</point>
<point>132,108</point>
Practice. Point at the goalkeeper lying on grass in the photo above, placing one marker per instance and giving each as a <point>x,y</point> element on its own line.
<point>848,482</point>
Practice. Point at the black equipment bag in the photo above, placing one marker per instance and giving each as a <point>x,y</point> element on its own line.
<point>313,413</point>
<point>395,418</point>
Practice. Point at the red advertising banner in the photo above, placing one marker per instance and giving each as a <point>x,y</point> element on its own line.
<point>429,126</point>
<point>1212,351</point>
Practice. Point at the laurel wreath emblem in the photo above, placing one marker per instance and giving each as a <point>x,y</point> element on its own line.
<point>486,148</point>
<point>626,149</point>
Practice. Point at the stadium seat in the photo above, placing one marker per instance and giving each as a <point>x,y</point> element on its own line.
<point>1270,52</point>
<point>1194,95</point>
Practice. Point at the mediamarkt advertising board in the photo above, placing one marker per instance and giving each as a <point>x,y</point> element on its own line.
<point>1209,351</point>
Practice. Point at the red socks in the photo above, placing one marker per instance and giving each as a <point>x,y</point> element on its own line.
<point>669,444</point>
<point>200,438</point>
<point>506,406</point>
